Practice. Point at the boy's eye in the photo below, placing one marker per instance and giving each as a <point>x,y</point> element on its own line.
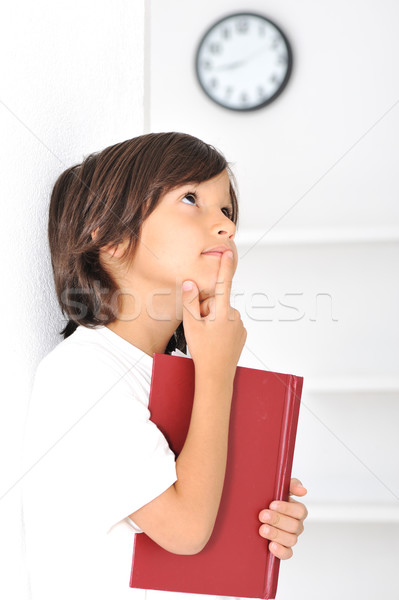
<point>228,212</point>
<point>191,196</point>
<point>194,199</point>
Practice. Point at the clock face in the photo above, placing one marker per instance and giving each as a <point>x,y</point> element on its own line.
<point>243,62</point>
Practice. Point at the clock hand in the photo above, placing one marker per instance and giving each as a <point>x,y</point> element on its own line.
<point>233,65</point>
<point>239,63</point>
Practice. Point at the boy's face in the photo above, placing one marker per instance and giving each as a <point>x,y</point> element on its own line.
<point>175,235</point>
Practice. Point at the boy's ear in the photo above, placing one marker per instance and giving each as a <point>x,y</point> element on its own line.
<point>115,251</point>
<point>94,233</point>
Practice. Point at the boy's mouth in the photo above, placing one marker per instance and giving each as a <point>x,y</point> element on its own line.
<point>217,250</point>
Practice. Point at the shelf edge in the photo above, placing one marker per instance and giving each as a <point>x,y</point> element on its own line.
<point>352,513</point>
<point>317,236</point>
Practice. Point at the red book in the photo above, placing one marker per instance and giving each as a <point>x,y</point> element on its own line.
<point>262,430</point>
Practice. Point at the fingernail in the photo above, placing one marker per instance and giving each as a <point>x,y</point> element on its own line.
<point>229,253</point>
<point>187,285</point>
<point>273,505</point>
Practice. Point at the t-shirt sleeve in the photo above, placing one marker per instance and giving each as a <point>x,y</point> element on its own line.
<point>136,459</point>
<point>107,457</point>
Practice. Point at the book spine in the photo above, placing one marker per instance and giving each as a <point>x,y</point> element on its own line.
<point>286,450</point>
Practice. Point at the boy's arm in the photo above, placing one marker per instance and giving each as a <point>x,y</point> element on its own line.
<point>181,519</point>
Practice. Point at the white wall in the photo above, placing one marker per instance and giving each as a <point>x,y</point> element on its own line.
<point>71,83</point>
<point>317,171</point>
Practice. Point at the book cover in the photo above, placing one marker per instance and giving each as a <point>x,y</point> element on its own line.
<point>262,431</point>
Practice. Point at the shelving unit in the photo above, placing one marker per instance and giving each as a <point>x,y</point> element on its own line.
<point>353,513</point>
<point>277,236</point>
<point>371,388</point>
<point>358,386</point>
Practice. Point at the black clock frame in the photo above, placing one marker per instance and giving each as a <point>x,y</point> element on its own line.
<point>283,83</point>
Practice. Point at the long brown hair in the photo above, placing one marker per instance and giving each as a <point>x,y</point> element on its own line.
<point>114,191</point>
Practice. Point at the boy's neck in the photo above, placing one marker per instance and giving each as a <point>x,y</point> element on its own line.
<point>142,338</point>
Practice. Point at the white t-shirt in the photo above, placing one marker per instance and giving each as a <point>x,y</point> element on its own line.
<point>96,458</point>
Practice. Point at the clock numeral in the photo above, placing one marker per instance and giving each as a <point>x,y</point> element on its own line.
<point>274,78</point>
<point>242,26</point>
<point>226,33</point>
<point>262,31</point>
<point>207,65</point>
<point>215,48</point>
<point>261,91</point>
<point>214,82</point>
<point>228,91</point>
<point>275,43</point>
<point>282,59</point>
<point>244,98</point>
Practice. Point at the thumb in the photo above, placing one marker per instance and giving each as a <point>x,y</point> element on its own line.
<point>190,301</point>
<point>295,483</point>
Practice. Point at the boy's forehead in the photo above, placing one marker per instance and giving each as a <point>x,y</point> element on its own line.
<point>221,179</point>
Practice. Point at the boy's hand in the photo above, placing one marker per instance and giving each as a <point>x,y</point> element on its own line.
<point>284,522</point>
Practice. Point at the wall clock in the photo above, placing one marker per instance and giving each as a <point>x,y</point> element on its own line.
<point>243,62</point>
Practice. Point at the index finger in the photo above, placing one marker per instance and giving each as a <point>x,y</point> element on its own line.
<point>224,280</point>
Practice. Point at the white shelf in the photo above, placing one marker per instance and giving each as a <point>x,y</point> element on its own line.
<point>277,236</point>
<point>352,385</point>
<point>352,513</point>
